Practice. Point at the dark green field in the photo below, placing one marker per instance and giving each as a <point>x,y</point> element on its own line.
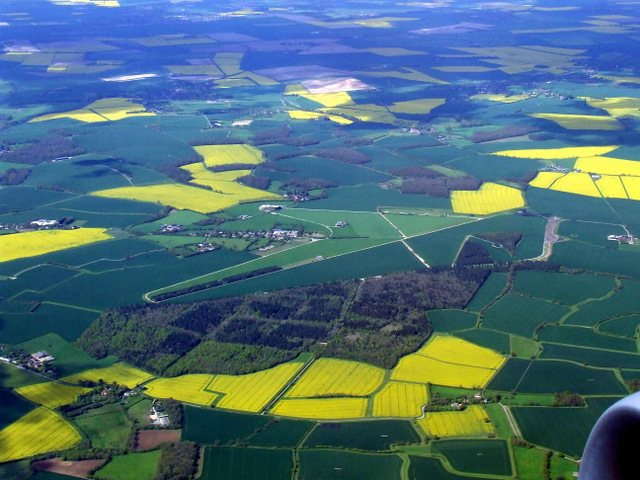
<point>622,302</point>
<point>586,337</point>
<point>487,338</point>
<point>12,406</point>
<point>489,291</point>
<point>247,463</point>
<point>566,289</point>
<point>424,468</point>
<point>372,435</point>
<point>282,433</point>
<point>210,427</point>
<point>328,464</point>
<point>626,326</point>
<point>587,356</point>
<point>489,457</point>
<point>450,320</point>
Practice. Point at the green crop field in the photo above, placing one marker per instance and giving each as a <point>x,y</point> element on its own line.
<point>450,320</point>
<point>350,466</point>
<point>425,468</point>
<point>133,466</point>
<point>13,377</point>
<point>510,374</point>
<point>596,259</point>
<point>247,463</point>
<point>489,457</point>
<point>593,357</point>
<point>206,426</point>
<point>487,338</point>
<point>12,407</point>
<point>282,433</point>
<point>622,302</point>
<point>372,435</point>
<point>539,424</point>
<point>590,232</point>
<point>491,288</point>
<point>566,289</point>
<point>105,427</point>
<point>626,326</point>
<point>585,337</point>
<point>521,315</point>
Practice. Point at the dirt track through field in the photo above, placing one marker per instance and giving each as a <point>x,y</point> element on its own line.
<point>78,469</point>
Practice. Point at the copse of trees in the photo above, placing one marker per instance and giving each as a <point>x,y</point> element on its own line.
<point>43,150</point>
<point>344,155</point>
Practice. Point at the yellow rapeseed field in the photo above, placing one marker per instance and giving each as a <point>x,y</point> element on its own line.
<point>608,166</point>
<point>121,373</point>
<point>418,106</point>
<point>187,388</point>
<point>305,115</point>
<point>610,186</point>
<point>322,408</point>
<point>456,350</point>
<point>557,153</point>
<point>364,113</point>
<point>500,98</point>
<point>252,392</point>
<point>215,155</point>
<point>631,185</point>
<point>179,196</point>
<point>335,99</point>
<point>580,122</point>
<point>52,394</point>
<point>490,198</point>
<point>39,242</point>
<point>578,183</point>
<point>545,179</point>
<point>329,376</point>
<point>229,62</point>
<point>39,431</point>
<point>399,399</point>
<point>472,421</point>
<point>106,109</point>
<point>616,106</point>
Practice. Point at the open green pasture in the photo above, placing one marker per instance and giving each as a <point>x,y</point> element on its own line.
<point>524,347</point>
<point>539,425</point>
<point>78,178</point>
<point>206,426</point>
<point>489,457</point>
<point>530,462</point>
<point>592,357</point>
<point>14,377</point>
<point>520,315</point>
<point>550,376</point>
<point>418,224</point>
<point>597,259</point>
<point>626,326</point>
<point>282,433</point>
<point>388,258</point>
<point>623,302</point>
<point>325,463</point>
<point>368,198</point>
<point>566,289</point>
<point>428,468</point>
<point>593,233</point>
<point>585,337</point>
<point>363,224</point>
<point>377,435</point>
<point>105,427</point>
<point>12,406</point>
<point>67,322</point>
<point>487,338</point>
<point>247,463</point>
<point>450,320</point>
<point>488,292</point>
<point>68,359</point>
<point>132,466</point>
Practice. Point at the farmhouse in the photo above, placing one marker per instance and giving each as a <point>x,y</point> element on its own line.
<point>39,358</point>
<point>43,222</point>
<point>626,239</point>
<point>158,417</point>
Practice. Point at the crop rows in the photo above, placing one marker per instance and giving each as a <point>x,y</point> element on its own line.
<point>328,376</point>
<point>39,431</point>
<point>490,198</point>
<point>397,399</point>
<point>472,421</point>
<point>215,155</point>
<point>322,408</point>
<point>187,388</point>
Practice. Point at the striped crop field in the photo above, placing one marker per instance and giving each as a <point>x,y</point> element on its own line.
<point>578,183</point>
<point>490,198</point>
<point>472,421</point>
<point>182,197</point>
<point>449,361</point>
<point>39,242</point>
<point>106,109</point>
<point>557,153</point>
<point>39,431</point>
<point>187,388</point>
<point>322,408</point>
<point>121,373</point>
<point>215,155</point>
<point>580,122</point>
<point>305,115</point>
<point>52,394</point>
<point>399,399</point>
<point>545,179</point>
<point>616,106</point>
<point>252,392</point>
<point>329,376</point>
<point>631,185</point>
<point>608,166</point>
